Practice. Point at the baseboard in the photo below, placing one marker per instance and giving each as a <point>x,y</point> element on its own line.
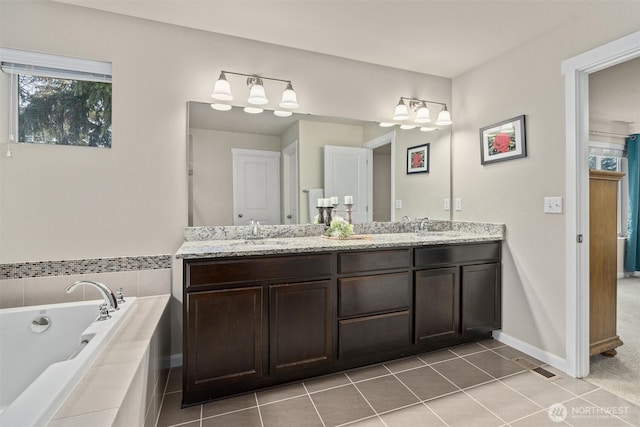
<point>176,360</point>
<point>543,356</point>
<point>620,275</point>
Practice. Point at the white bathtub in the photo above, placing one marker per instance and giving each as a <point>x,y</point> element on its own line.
<point>36,371</point>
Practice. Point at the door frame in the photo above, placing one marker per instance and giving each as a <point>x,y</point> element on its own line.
<point>379,141</point>
<point>576,72</point>
<point>289,154</point>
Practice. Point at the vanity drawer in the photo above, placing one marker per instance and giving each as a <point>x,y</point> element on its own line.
<point>374,334</point>
<point>354,262</point>
<point>456,254</point>
<point>373,294</point>
<point>229,271</point>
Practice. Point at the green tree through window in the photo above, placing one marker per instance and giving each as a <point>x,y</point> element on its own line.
<point>65,112</point>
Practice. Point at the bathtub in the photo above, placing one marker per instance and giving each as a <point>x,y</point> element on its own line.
<point>39,370</point>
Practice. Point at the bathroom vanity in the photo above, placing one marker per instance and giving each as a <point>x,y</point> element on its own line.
<point>264,312</point>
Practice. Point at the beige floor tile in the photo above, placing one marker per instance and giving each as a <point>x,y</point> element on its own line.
<point>541,391</point>
<point>416,415</point>
<point>460,410</point>
<point>503,401</point>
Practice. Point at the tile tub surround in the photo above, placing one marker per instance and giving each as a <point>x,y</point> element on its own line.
<point>474,384</point>
<point>192,234</point>
<point>381,235</point>
<point>124,386</point>
<point>51,289</point>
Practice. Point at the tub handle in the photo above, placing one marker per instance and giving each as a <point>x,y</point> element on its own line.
<point>104,312</point>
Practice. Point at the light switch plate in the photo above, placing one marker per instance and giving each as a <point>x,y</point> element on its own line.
<point>447,204</point>
<point>398,204</point>
<point>458,204</point>
<point>553,205</point>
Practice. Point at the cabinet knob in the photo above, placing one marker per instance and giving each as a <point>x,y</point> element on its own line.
<point>239,215</point>
<point>289,216</point>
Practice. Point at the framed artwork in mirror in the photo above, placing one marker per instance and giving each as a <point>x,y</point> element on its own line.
<point>503,141</point>
<point>418,159</point>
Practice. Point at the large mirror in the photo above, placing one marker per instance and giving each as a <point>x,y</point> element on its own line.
<point>240,163</point>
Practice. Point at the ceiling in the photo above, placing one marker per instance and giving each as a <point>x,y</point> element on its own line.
<point>439,37</point>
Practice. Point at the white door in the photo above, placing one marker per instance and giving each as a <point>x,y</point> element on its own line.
<point>256,186</point>
<point>290,183</point>
<point>347,172</point>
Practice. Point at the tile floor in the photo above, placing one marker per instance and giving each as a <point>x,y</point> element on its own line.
<point>474,384</point>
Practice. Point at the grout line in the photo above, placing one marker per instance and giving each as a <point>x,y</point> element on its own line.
<point>201,410</point>
<point>481,404</point>
<point>314,405</point>
<point>255,396</point>
<point>453,356</point>
<point>235,411</point>
<point>363,396</point>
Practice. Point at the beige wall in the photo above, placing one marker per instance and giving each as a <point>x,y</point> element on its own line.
<point>381,186</point>
<point>313,137</point>
<point>132,199</point>
<point>212,169</point>
<point>528,80</point>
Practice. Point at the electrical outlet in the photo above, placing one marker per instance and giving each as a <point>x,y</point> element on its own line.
<point>458,204</point>
<point>398,204</point>
<point>447,204</point>
<point>553,205</point>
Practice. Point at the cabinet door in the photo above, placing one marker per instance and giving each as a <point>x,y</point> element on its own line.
<point>224,338</point>
<point>437,304</point>
<point>300,325</point>
<point>481,299</point>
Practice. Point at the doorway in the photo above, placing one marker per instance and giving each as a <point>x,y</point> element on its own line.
<point>384,186</point>
<point>576,71</point>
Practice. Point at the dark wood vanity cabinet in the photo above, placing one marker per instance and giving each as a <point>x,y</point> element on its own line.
<point>253,322</point>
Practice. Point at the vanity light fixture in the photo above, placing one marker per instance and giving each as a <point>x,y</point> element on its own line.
<point>406,106</point>
<point>257,94</point>
<point>386,124</point>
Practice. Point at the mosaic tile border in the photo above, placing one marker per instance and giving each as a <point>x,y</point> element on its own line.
<point>83,266</point>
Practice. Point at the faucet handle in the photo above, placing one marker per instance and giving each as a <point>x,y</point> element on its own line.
<point>104,312</point>
<point>120,296</point>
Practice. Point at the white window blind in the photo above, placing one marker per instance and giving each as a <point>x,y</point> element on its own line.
<point>14,61</point>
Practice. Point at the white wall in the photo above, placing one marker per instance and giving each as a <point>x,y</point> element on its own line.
<point>381,186</point>
<point>212,169</point>
<point>527,80</point>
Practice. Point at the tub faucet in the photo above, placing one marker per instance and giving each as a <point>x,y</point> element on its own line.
<point>108,296</point>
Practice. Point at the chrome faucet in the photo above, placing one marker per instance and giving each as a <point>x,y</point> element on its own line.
<point>406,218</point>
<point>424,224</point>
<point>109,298</point>
<point>255,229</point>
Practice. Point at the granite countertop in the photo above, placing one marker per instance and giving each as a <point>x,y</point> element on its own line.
<point>220,248</point>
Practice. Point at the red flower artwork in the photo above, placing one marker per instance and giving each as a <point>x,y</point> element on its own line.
<point>417,160</point>
<point>501,143</point>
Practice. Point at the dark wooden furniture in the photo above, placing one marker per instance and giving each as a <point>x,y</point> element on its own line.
<point>603,250</point>
<point>257,321</point>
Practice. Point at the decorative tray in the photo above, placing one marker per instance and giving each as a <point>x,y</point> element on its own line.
<point>352,237</point>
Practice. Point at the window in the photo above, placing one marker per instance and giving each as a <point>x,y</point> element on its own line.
<point>58,100</point>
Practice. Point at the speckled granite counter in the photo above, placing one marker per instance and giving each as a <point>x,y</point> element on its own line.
<point>219,242</point>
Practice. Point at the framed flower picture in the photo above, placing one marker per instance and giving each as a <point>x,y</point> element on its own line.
<point>503,141</point>
<point>418,159</point>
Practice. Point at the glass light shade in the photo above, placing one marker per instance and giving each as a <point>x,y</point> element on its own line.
<point>221,107</point>
<point>401,112</point>
<point>422,115</point>
<point>289,98</point>
<point>427,129</point>
<point>281,113</point>
<point>253,110</point>
<point>222,89</point>
<point>386,124</point>
<point>444,118</point>
<point>407,127</point>
<point>257,95</point>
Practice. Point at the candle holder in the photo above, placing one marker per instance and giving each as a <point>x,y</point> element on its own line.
<point>327,218</point>
<point>349,210</point>
<point>320,214</point>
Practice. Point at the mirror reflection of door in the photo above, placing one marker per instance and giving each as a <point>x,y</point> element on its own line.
<point>256,186</point>
<point>290,181</point>
<point>347,172</point>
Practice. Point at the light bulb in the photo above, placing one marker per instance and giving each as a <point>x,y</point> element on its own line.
<point>222,89</point>
<point>422,115</point>
<point>221,107</point>
<point>444,118</point>
<point>281,113</point>
<point>386,124</point>
<point>253,110</point>
<point>407,127</point>
<point>289,98</point>
<point>256,94</point>
<point>427,129</point>
<point>401,112</point>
